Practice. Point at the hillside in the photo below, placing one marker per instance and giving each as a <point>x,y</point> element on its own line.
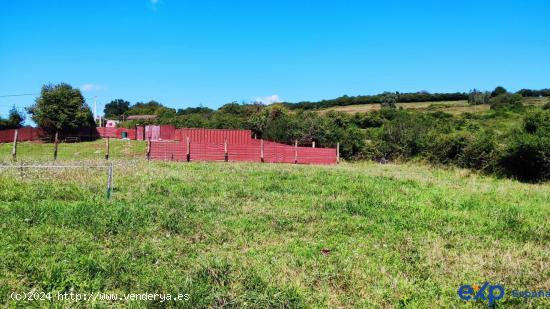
<point>352,235</point>
<point>452,107</point>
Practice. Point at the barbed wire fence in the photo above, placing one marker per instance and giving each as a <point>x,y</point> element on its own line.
<point>70,154</point>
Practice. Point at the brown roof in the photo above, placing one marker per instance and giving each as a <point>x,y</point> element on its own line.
<point>139,117</point>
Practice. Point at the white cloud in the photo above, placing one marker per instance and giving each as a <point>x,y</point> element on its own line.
<point>91,87</point>
<point>269,99</point>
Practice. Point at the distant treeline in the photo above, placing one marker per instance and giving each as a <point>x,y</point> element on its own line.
<point>409,97</point>
<point>345,100</point>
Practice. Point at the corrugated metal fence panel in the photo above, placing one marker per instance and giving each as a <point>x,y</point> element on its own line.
<point>23,134</point>
<point>140,133</point>
<point>131,133</point>
<point>207,152</point>
<point>216,136</point>
<point>308,155</point>
<point>168,150</point>
<point>243,152</point>
<point>108,132</point>
<point>152,133</point>
<point>167,132</point>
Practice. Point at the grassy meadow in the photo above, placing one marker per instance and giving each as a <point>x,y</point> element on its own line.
<point>451,107</point>
<point>356,235</point>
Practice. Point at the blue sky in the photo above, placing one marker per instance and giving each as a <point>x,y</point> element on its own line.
<point>186,53</point>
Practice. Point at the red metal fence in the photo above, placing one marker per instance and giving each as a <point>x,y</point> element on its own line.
<point>256,151</point>
<point>169,143</point>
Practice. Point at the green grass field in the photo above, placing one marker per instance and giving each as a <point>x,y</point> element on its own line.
<point>356,235</point>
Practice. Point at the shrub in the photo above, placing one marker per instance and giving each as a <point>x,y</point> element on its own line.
<point>547,105</point>
<point>527,158</point>
<point>446,148</point>
<point>537,122</point>
<point>506,101</point>
<point>480,153</point>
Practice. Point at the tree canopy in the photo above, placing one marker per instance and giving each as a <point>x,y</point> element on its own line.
<point>15,120</point>
<point>116,108</point>
<point>61,109</point>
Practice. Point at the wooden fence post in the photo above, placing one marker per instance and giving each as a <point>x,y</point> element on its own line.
<point>226,156</point>
<point>295,151</point>
<point>56,141</point>
<point>262,150</point>
<point>109,180</point>
<point>337,153</point>
<point>148,154</point>
<point>188,149</point>
<point>14,148</point>
<point>107,149</point>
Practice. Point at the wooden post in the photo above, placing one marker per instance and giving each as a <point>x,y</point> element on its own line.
<point>226,156</point>
<point>14,148</point>
<point>295,151</point>
<point>313,144</point>
<point>148,149</point>
<point>337,153</point>
<point>262,150</point>
<point>109,181</point>
<point>188,149</point>
<point>107,148</point>
<point>55,141</point>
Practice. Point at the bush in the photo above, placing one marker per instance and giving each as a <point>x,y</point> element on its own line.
<point>546,106</point>
<point>480,153</point>
<point>406,135</point>
<point>506,101</point>
<point>527,158</point>
<point>446,148</point>
<point>537,122</point>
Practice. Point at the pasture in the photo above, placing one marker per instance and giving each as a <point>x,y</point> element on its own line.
<point>452,107</point>
<point>266,235</point>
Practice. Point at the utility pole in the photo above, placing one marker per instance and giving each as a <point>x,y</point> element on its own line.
<point>95,108</point>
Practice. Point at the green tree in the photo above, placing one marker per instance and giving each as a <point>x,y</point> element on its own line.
<point>476,97</point>
<point>15,120</point>
<point>498,91</point>
<point>389,100</point>
<point>116,108</point>
<point>61,109</point>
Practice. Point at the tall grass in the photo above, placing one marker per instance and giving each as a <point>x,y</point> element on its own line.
<point>272,235</point>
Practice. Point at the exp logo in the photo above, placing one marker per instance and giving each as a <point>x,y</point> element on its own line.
<point>485,292</point>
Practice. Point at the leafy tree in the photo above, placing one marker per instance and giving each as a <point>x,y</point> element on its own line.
<point>15,120</point>
<point>116,108</point>
<point>476,97</point>
<point>151,108</point>
<point>498,91</point>
<point>389,100</point>
<point>195,110</point>
<point>61,109</point>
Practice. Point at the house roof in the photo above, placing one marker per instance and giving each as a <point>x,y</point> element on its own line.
<point>139,117</point>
